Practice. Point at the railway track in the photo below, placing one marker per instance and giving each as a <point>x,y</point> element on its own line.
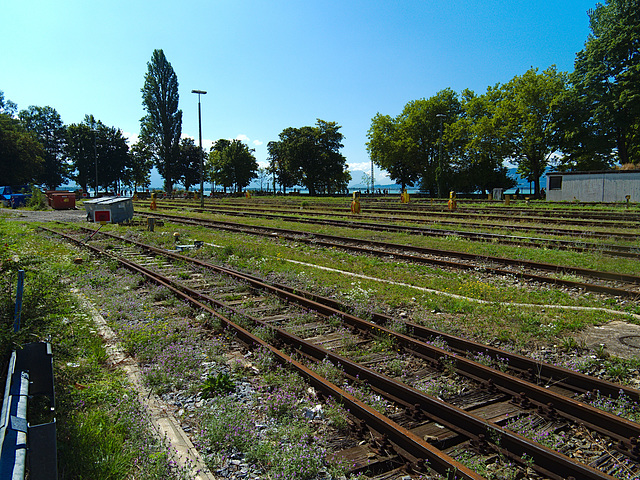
<point>608,283</point>
<point>447,425</point>
<point>615,250</point>
<point>604,220</point>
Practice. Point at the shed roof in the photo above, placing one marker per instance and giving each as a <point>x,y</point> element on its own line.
<point>107,200</point>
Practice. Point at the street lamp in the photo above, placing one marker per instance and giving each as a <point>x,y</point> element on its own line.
<point>200,92</point>
<point>372,183</point>
<point>439,169</point>
<point>95,158</point>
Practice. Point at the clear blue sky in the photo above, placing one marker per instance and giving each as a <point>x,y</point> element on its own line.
<point>268,65</point>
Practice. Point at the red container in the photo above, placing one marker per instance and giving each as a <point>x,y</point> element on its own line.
<point>63,200</point>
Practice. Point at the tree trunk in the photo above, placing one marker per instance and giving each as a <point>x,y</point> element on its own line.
<point>621,144</point>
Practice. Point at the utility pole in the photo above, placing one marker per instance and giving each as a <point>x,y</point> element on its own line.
<point>200,92</point>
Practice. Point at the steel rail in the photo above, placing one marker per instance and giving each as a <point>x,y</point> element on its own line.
<point>548,462</point>
<point>334,241</point>
<point>544,373</point>
<point>548,402</point>
<point>417,447</point>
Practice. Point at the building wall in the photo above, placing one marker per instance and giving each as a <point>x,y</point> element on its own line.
<point>596,187</point>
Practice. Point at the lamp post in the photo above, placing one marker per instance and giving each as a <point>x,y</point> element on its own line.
<point>95,159</point>
<point>200,92</point>
<point>439,169</point>
<point>372,182</point>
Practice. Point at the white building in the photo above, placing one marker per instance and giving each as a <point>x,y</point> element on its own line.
<point>607,186</point>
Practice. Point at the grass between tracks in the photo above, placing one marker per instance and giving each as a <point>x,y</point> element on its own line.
<point>501,320</point>
<point>101,415</point>
<point>101,430</point>
<point>494,320</point>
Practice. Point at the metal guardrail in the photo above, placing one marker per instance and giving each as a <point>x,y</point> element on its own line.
<point>26,448</point>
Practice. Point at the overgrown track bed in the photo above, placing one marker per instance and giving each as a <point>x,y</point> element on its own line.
<point>600,210</point>
<point>608,283</point>
<point>417,218</point>
<point>501,397</point>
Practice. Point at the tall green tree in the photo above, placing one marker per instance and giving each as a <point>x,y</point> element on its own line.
<point>92,146</point>
<point>235,166</point>
<point>584,144</point>
<point>388,149</point>
<point>139,167</point>
<point>161,128</point>
<point>408,146</point>
<point>424,124</point>
<point>310,156</point>
<point>524,117</point>
<point>334,176</point>
<point>81,150</point>
<point>21,155</point>
<point>477,152</point>
<point>189,163</point>
<point>7,107</point>
<point>213,160</point>
<point>113,158</point>
<point>278,166</point>
<point>45,123</point>
<point>606,80</point>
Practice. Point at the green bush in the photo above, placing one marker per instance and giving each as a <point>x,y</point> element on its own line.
<point>37,200</point>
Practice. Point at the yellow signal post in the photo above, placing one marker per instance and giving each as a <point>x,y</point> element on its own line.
<point>453,203</point>
<point>355,203</point>
<point>153,202</point>
<point>404,196</point>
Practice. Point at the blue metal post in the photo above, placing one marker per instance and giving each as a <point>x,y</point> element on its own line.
<point>16,317</point>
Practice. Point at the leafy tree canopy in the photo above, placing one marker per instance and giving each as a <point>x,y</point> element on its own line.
<point>310,156</point>
<point>95,149</point>
<point>189,162</point>
<point>161,128</point>
<point>602,114</point>
<point>21,155</point>
<point>524,115</point>
<point>46,124</point>
<point>7,107</point>
<point>233,164</point>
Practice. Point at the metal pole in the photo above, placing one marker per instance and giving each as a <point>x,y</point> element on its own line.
<point>201,156</point>
<point>372,182</point>
<point>200,92</point>
<point>18,310</point>
<point>95,158</point>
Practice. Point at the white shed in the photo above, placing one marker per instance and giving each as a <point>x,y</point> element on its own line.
<point>606,186</point>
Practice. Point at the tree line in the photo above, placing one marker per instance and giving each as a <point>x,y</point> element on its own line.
<point>37,148</point>
<point>585,120</point>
